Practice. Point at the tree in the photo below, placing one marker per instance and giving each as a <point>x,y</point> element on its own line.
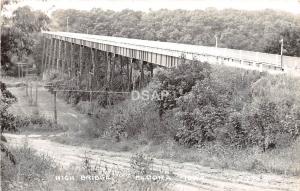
<point>19,35</point>
<point>291,40</point>
<point>179,81</point>
<point>6,119</point>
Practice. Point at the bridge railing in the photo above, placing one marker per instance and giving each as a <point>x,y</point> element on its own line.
<point>176,50</point>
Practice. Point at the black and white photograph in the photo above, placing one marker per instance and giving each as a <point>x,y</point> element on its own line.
<point>150,95</point>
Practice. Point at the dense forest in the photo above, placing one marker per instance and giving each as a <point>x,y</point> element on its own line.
<point>246,30</point>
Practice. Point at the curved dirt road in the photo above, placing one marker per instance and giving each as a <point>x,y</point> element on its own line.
<point>187,175</point>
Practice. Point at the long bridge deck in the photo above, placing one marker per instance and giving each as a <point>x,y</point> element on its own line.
<point>169,54</point>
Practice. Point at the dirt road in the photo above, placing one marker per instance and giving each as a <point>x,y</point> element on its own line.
<point>188,176</point>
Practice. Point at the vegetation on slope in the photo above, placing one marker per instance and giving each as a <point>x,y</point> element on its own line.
<point>219,113</point>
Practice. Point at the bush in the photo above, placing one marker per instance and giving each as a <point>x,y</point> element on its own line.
<point>31,169</point>
<point>141,164</point>
<point>232,106</point>
<point>6,100</point>
<point>179,81</point>
<point>240,109</point>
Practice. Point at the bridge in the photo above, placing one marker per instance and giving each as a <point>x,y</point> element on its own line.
<point>64,51</point>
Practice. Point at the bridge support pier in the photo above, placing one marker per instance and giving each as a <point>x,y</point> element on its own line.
<point>108,70</point>
<point>43,54</point>
<point>113,69</point>
<point>50,54</point>
<point>122,72</point>
<point>46,55</point>
<point>130,74</point>
<point>141,81</point>
<point>72,59</point>
<point>54,54</point>
<point>151,68</point>
<point>80,60</point>
<point>64,60</point>
<point>92,68</point>
<point>58,65</point>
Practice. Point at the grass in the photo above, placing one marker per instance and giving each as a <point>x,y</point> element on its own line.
<point>279,161</point>
<point>36,123</point>
<point>29,172</point>
<point>39,173</point>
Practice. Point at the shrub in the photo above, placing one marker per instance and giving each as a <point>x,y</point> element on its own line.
<point>240,109</point>
<point>141,164</point>
<point>31,169</point>
<point>179,81</point>
<point>6,100</point>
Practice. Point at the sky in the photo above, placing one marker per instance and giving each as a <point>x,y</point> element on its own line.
<point>292,6</point>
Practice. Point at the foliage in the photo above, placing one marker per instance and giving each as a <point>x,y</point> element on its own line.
<point>179,81</point>
<point>6,119</point>
<point>291,40</point>
<point>141,164</point>
<point>218,110</point>
<point>6,99</point>
<point>234,107</point>
<point>31,168</point>
<point>19,37</point>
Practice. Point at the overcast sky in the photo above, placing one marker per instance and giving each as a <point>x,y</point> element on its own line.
<point>292,6</point>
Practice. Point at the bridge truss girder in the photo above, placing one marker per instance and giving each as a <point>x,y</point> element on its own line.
<point>82,62</point>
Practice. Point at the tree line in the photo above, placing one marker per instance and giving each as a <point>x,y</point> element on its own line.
<point>246,30</point>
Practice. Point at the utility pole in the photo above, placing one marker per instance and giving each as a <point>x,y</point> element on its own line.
<point>67,24</point>
<point>281,54</point>
<point>0,66</point>
<point>19,73</point>
<point>36,94</point>
<point>55,109</point>
<point>31,97</point>
<point>216,37</point>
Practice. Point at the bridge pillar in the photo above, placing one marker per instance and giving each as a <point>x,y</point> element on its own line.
<point>68,59</point>
<point>92,69</point>
<point>80,60</point>
<point>46,54</point>
<point>122,71</point>
<point>151,69</point>
<point>54,53</point>
<point>127,74</point>
<point>43,55</point>
<point>113,69</point>
<point>64,61</point>
<point>58,67</point>
<point>72,60</point>
<point>130,66</point>
<point>108,69</point>
<point>50,54</point>
<point>141,81</point>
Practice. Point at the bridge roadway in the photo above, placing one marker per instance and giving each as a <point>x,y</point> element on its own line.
<point>168,54</point>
